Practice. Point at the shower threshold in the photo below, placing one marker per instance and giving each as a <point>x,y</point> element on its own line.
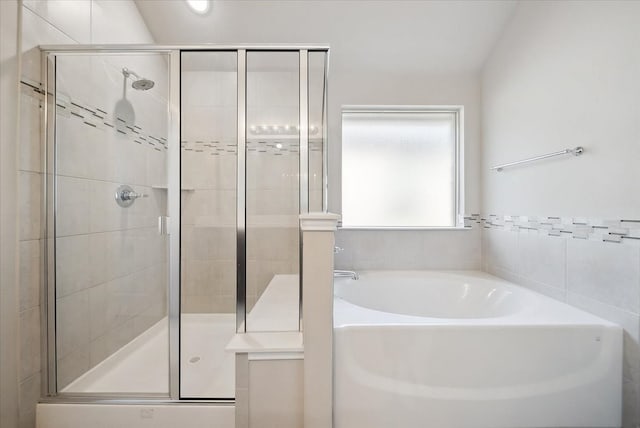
<point>141,366</point>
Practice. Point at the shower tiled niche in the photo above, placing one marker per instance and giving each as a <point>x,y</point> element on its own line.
<point>222,153</point>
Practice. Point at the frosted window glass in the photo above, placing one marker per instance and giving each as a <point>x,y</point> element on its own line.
<point>398,169</point>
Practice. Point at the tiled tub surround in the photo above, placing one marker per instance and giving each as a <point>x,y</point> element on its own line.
<point>409,249</point>
<point>588,263</point>
<point>111,262</point>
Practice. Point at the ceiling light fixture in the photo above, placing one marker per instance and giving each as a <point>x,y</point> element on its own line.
<point>199,6</point>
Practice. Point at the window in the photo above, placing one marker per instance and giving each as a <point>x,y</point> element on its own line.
<point>401,167</point>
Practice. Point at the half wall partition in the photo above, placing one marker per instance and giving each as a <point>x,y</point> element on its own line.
<point>174,181</point>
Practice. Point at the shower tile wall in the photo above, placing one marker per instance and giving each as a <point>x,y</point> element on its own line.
<point>111,261</point>
<point>272,170</point>
<point>50,23</point>
<point>36,30</point>
<point>209,162</point>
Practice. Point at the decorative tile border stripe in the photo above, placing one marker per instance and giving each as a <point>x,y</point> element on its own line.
<point>98,118</point>
<point>272,146</point>
<point>616,231</point>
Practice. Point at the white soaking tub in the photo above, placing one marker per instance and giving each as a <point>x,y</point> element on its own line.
<point>468,350</point>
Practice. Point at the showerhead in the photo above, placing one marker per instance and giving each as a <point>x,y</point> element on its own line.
<point>142,84</point>
<point>139,83</point>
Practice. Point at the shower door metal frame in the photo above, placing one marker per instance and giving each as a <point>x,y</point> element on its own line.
<point>49,53</point>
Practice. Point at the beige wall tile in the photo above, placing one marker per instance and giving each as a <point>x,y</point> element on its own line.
<point>30,205</point>
<point>29,342</point>
<point>30,146</point>
<point>71,17</point>
<point>71,366</point>
<point>72,328</point>
<point>72,215</point>
<point>73,268</point>
<point>36,31</point>
<point>30,273</point>
<point>29,395</point>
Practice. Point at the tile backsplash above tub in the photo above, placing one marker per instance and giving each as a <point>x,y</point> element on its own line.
<point>568,258</point>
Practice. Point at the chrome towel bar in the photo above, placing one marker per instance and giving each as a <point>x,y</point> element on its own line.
<point>576,152</point>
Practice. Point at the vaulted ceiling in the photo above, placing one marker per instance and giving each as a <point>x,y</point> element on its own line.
<point>416,36</point>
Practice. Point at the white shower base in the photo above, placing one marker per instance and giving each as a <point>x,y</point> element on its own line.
<point>141,366</point>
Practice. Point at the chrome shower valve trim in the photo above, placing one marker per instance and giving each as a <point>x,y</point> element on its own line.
<point>126,196</point>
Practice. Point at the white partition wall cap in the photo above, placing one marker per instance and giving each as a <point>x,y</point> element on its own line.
<point>319,221</point>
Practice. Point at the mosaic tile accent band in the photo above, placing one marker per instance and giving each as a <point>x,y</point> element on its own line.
<point>278,145</point>
<point>616,231</point>
<point>273,146</point>
<point>99,118</point>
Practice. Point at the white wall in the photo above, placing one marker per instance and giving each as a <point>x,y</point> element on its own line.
<point>50,22</point>
<point>565,74</point>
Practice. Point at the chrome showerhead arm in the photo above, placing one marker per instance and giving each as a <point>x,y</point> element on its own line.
<point>126,72</point>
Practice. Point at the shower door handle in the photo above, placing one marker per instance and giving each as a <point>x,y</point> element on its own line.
<point>163,225</point>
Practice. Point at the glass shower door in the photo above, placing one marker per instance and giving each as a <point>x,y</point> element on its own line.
<point>110,192</point>
<point>272,194</point>
<point>208,223</point>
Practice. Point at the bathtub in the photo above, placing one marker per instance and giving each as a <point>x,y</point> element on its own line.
<point>468,350</point>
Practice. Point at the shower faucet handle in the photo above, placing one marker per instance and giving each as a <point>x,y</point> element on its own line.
<point>337,250</point>
<point>133,195</point>
<point>126,196</point>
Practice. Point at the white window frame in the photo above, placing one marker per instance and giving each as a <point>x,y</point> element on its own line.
<point>458,111</point>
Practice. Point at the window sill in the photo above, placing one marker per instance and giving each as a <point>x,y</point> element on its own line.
<point>457,228</point>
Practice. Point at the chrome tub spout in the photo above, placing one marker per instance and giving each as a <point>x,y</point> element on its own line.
<point>346,273</point>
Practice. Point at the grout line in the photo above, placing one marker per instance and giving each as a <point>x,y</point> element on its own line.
<point>149,267</point>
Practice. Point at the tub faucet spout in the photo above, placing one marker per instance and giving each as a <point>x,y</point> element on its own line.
<point>346,273</point>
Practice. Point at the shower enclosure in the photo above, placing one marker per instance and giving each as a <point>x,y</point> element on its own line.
<point>174,181</point>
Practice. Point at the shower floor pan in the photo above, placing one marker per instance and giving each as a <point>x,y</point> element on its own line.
<point>141,366</point>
